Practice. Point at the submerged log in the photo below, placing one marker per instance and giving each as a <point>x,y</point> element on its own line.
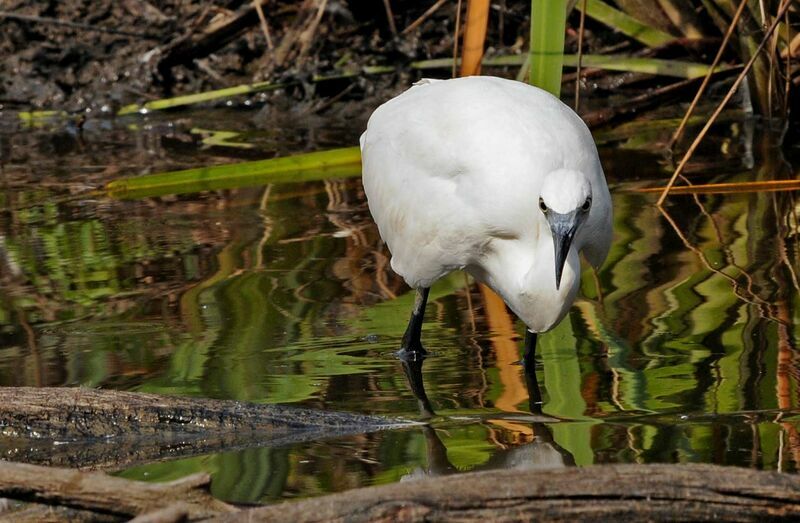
<point>608,493</point>
<point>87,428</point>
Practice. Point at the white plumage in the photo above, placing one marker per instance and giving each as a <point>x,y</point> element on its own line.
<point>481,173</point>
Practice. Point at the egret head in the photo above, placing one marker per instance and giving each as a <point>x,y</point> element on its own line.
<point>565,202</point>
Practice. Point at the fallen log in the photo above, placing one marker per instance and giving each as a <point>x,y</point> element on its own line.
<point>87,428</point>
<point>106,495</point>
<point>609,493</point>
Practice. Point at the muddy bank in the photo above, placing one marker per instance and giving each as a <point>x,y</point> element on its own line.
<point>79,54</point>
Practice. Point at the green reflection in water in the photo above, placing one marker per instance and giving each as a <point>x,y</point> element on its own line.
<point>683,349</point>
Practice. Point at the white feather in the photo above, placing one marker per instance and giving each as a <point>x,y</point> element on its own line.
<point>453,171</point>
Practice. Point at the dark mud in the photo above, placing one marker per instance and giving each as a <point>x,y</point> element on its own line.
<point>79,54</point>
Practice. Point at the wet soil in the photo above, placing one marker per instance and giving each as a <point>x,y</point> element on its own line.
<point>79,54</point>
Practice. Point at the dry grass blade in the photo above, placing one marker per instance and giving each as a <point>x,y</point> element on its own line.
<point>729,188</point>
<point>707,79</point>
<point>724,102</point>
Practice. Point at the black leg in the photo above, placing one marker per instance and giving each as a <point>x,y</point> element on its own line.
<point>529,362</point>
<point>412,367</point>
<point>411,345</point>
<point>534,392</point>
<point>529,358</point>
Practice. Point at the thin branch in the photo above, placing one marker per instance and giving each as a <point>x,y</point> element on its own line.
<point>390,17</point>
<point>424,16</point>
<point>722,104</point>
<point>263,20</point>
<point>707,79</point>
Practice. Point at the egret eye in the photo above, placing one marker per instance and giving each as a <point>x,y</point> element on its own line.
<point>586,205</point>
<point>542,206</point>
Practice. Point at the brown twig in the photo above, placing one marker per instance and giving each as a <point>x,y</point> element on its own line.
<point>707,79</point>
<point>424,16</point>
<point>263,20</point>
<point>390,17</point>
<point>723,103</point>
<point>307,36</point>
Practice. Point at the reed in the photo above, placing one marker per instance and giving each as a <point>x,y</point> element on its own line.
<point>546,51</point>
<point>336,163</point>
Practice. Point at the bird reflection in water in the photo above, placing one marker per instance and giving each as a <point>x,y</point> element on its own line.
<point>542,453</point>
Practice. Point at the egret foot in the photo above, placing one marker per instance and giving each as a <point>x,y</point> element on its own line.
<point>411,346</point>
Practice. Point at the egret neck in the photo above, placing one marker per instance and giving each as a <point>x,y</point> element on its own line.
<point>521,272</point>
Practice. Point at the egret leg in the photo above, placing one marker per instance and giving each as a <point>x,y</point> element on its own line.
<point>411,345</point>
<point>534,392</point>
<point>529,357</point>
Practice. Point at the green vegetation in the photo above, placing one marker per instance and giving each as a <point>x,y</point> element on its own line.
<point>546,49</point>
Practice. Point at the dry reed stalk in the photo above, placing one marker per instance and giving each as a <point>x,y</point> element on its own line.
<point>455,38</point>
<point>307,36</point>
<point>784,7</point>
<point>474,37</point>
<point>730,187</point>
<point>263,20</point>
<point>424,16</point>
<point>390,17</point>
<point>707,79</point>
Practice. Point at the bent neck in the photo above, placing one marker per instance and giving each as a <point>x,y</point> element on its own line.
<point>523,274</point>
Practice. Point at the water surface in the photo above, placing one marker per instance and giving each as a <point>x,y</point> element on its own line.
<point>682,348</point>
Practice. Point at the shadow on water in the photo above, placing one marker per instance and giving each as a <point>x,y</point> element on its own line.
<point>682,348</point>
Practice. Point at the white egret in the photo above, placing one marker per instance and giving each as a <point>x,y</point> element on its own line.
<point>492,176</point>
